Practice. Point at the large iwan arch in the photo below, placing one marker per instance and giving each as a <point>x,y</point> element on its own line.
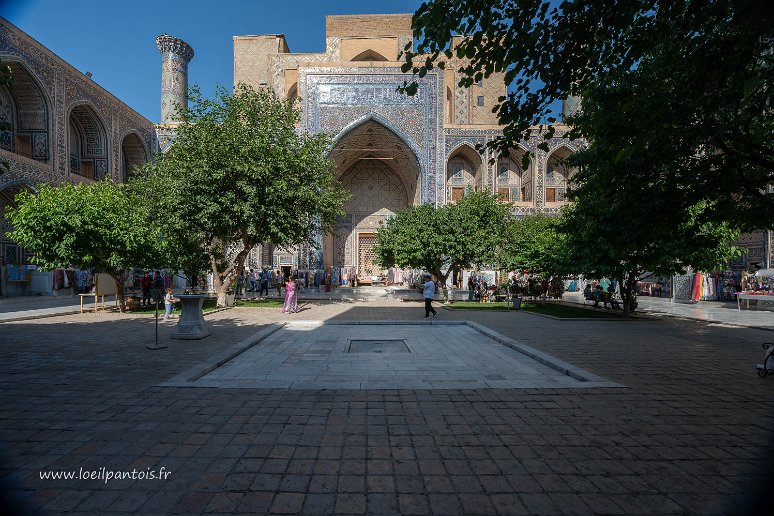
<point>25,107</point>
<point>381,171</point>
<point>87,143</point>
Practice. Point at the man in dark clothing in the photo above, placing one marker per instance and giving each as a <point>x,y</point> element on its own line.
<point>145,286</point>
<point>264,282</point>
<point>429,294</point>
<point>158,287</point>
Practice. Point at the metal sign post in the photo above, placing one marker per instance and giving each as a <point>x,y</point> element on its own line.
<point>156,345</point>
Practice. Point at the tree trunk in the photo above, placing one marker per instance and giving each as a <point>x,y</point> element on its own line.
<point>221,287</point>
<point>445,289</point>
<point>222,280</point>
<point>627,288</point>
<point>120,296</point>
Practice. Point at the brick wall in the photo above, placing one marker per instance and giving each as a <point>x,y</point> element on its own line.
<point>252,58</point>
<point>359,26</point>
<point>351,47</point>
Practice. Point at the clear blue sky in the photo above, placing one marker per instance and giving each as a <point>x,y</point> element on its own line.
<point>116,40</point>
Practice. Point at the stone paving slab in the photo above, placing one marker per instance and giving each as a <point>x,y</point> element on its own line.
<point>439,355</point>
<point>690,434</point>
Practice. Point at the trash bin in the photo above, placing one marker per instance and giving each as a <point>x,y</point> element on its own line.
<point>516,302</point>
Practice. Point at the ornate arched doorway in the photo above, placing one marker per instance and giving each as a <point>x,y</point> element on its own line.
<point>381,172</point>
<point>132,155</point>
<point>87,143</point>
<point>23,105</point>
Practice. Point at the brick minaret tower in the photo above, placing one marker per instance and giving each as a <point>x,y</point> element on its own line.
<point>175,55</point>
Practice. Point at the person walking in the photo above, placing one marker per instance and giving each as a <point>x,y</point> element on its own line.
<point>291,298</point>
<point>278,283</point>
<point>429,294</point>
<point>145,286</point>
<point>251,279</point>
<point>264,282</point>
<point>169,303</point>
<point>240,282</point>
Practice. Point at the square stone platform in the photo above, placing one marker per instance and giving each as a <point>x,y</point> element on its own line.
<point>384,355</point>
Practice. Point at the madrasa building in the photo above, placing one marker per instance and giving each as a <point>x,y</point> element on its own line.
<point>62,127</point>
<point>393,150</point>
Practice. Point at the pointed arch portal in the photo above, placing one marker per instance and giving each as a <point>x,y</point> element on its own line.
<point>381,171</point>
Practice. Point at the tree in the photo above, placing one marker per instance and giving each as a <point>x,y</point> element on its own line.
<point>239,174</point>
<point>690,79</point>
<point>532,243</point>
<point>630,216</point>
<point>88,226</point>
<point>446,239</point>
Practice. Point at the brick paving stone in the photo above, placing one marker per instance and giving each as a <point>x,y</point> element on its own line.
<point>382,503</point>
<point>508,504</point>
<point>477,504</point>
<point>317,503</point>
<point>348,503</point>
<point>225,502</point>
<point>288,503</point>
<point>413,504</point>
<point>255,502</point>
<point>192,503</point>
<point>688,434</point>
<point>265,482</point>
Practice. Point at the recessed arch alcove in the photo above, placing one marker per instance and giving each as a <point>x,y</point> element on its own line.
<point>380,170</point>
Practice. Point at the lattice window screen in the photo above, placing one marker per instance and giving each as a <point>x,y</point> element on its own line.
<point>367,256</point>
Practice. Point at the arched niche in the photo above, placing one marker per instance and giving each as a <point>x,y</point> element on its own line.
<point>23,104</point>
<point>133,155</point>
<point>449,106</point>
<point>513,182</point>
<point>8,191</point>
<point>557,176</point>
<point>380,170</point>
<point>464,172</point>
<point>87,143</point>
<point>369,55</point>
<point>293,92</point>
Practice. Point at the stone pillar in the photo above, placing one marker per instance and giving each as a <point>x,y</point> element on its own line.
<point>175,55</point>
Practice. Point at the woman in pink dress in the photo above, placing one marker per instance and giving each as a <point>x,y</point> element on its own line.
<point>291,300</point>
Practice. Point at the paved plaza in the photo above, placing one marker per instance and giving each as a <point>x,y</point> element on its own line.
<point>687,428</point>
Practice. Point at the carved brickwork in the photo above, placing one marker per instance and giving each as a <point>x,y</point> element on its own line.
<point>175,56</point>
<point>461,105</point>
<point>47,94</point>
<point>334,99</point>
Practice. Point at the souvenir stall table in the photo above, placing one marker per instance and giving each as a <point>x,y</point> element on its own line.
<point>759,290</point>
<point>753,296</point>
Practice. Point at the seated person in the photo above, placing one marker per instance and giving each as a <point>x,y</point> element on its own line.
<point>598,296</point>
<point>587,292</point>
<point>610,298</point>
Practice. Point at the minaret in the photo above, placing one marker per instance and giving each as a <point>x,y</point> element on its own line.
<point>175,55</point>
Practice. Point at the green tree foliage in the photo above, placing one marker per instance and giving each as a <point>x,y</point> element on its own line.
<point>622,224</point>
<point>441,240</point>
<point>550,50</point>
<point>532,243</point>
<point>239,174</point>
<point>676,110</point>
<point>88,226</point>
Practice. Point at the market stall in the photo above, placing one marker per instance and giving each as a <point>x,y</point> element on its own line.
<point>760,289</point>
